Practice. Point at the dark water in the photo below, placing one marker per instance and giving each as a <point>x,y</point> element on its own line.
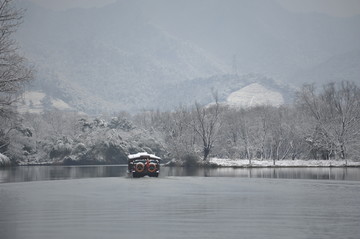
<point>101,202</point>
<point>40,173</point>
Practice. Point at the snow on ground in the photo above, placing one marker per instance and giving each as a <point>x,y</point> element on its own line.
<point>60,104</point>
<point>282,163</point>
<point>33,102</point>
<point>255,94</point>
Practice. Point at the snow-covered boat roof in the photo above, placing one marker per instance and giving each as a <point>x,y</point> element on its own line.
<point>143,155</point>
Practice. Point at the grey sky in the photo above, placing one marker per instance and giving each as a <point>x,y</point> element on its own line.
<point>342,8</point>
<point>66,4</point>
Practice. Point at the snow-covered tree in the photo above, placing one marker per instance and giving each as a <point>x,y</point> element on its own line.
<point>336,111</point>
<point>13,71</point>
<point>207,123</point>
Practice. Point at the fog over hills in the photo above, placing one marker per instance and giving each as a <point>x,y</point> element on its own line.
<point>141,54</point>
<point>337,68</point>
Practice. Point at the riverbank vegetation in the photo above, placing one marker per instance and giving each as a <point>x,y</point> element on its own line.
<point>322,124</point>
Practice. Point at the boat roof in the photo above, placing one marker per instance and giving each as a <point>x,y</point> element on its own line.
<point>143,155</point>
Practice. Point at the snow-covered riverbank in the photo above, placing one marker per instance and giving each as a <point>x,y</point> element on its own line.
<point>244,163</point>
<point>218,162</point>
<point>4,160</point>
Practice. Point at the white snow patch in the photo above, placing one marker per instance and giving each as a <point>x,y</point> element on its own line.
<point>60,104</point>
<point>4,160</point>
<point>255,94</point>
<point>142,154</point>
<point>282,163</point>
<point>33,103</point>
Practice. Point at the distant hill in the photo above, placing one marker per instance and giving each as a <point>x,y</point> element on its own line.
<point>37,102</point>
<point>141,54</point>
<point>337,68</point>
<point>202,90</point>
<point>252,89</point>
<point>255,94</point>
<point>115,64</point>
<point>257,36</point>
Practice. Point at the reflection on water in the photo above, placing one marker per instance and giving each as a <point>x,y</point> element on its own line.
<point>40,173</point>
<point>290,173</point>
<point>180,207</point>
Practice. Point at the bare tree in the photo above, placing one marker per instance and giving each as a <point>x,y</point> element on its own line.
<point>230,135</point>
<point>336,111</point>
<point>180,136</point>
<point>298,127</point>
<point>13,71</point>
<point>342,104</point>
<point>246,131</point>
<point>207,122</point>
<point>262,116</point>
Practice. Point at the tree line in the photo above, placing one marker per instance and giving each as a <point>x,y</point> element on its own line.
<point>322,123</point>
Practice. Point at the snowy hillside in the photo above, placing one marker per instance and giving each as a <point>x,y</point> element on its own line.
<point>136,55</point>
<point>201,90</point>
<point>128,55</point>
<point>37,102</point>
<point>255,94</point>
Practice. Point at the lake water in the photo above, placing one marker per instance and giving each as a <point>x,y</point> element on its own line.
<point>101,202</point>
<point>41,173</point>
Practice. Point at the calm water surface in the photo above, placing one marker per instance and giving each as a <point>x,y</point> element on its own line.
<point>101,202</point>
<point>41,173</point>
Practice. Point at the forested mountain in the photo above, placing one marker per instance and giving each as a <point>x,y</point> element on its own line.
<point>337,68</point>
<point>264,37</point>
<point>135,55</point>
<point>202,90</point>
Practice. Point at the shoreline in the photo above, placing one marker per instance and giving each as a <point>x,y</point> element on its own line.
<point>244,163</point>
<point>297,163</point>
<point>281,166</point>
<point>232,163</point>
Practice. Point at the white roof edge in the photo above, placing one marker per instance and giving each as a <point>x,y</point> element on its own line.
<point>138,155</point>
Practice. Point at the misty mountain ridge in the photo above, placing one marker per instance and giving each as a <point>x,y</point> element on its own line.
<point>136,55</point>
<point>337,68</point>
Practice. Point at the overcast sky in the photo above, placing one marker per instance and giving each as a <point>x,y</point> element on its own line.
<point>342,8</point>
<point>65,4</point>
